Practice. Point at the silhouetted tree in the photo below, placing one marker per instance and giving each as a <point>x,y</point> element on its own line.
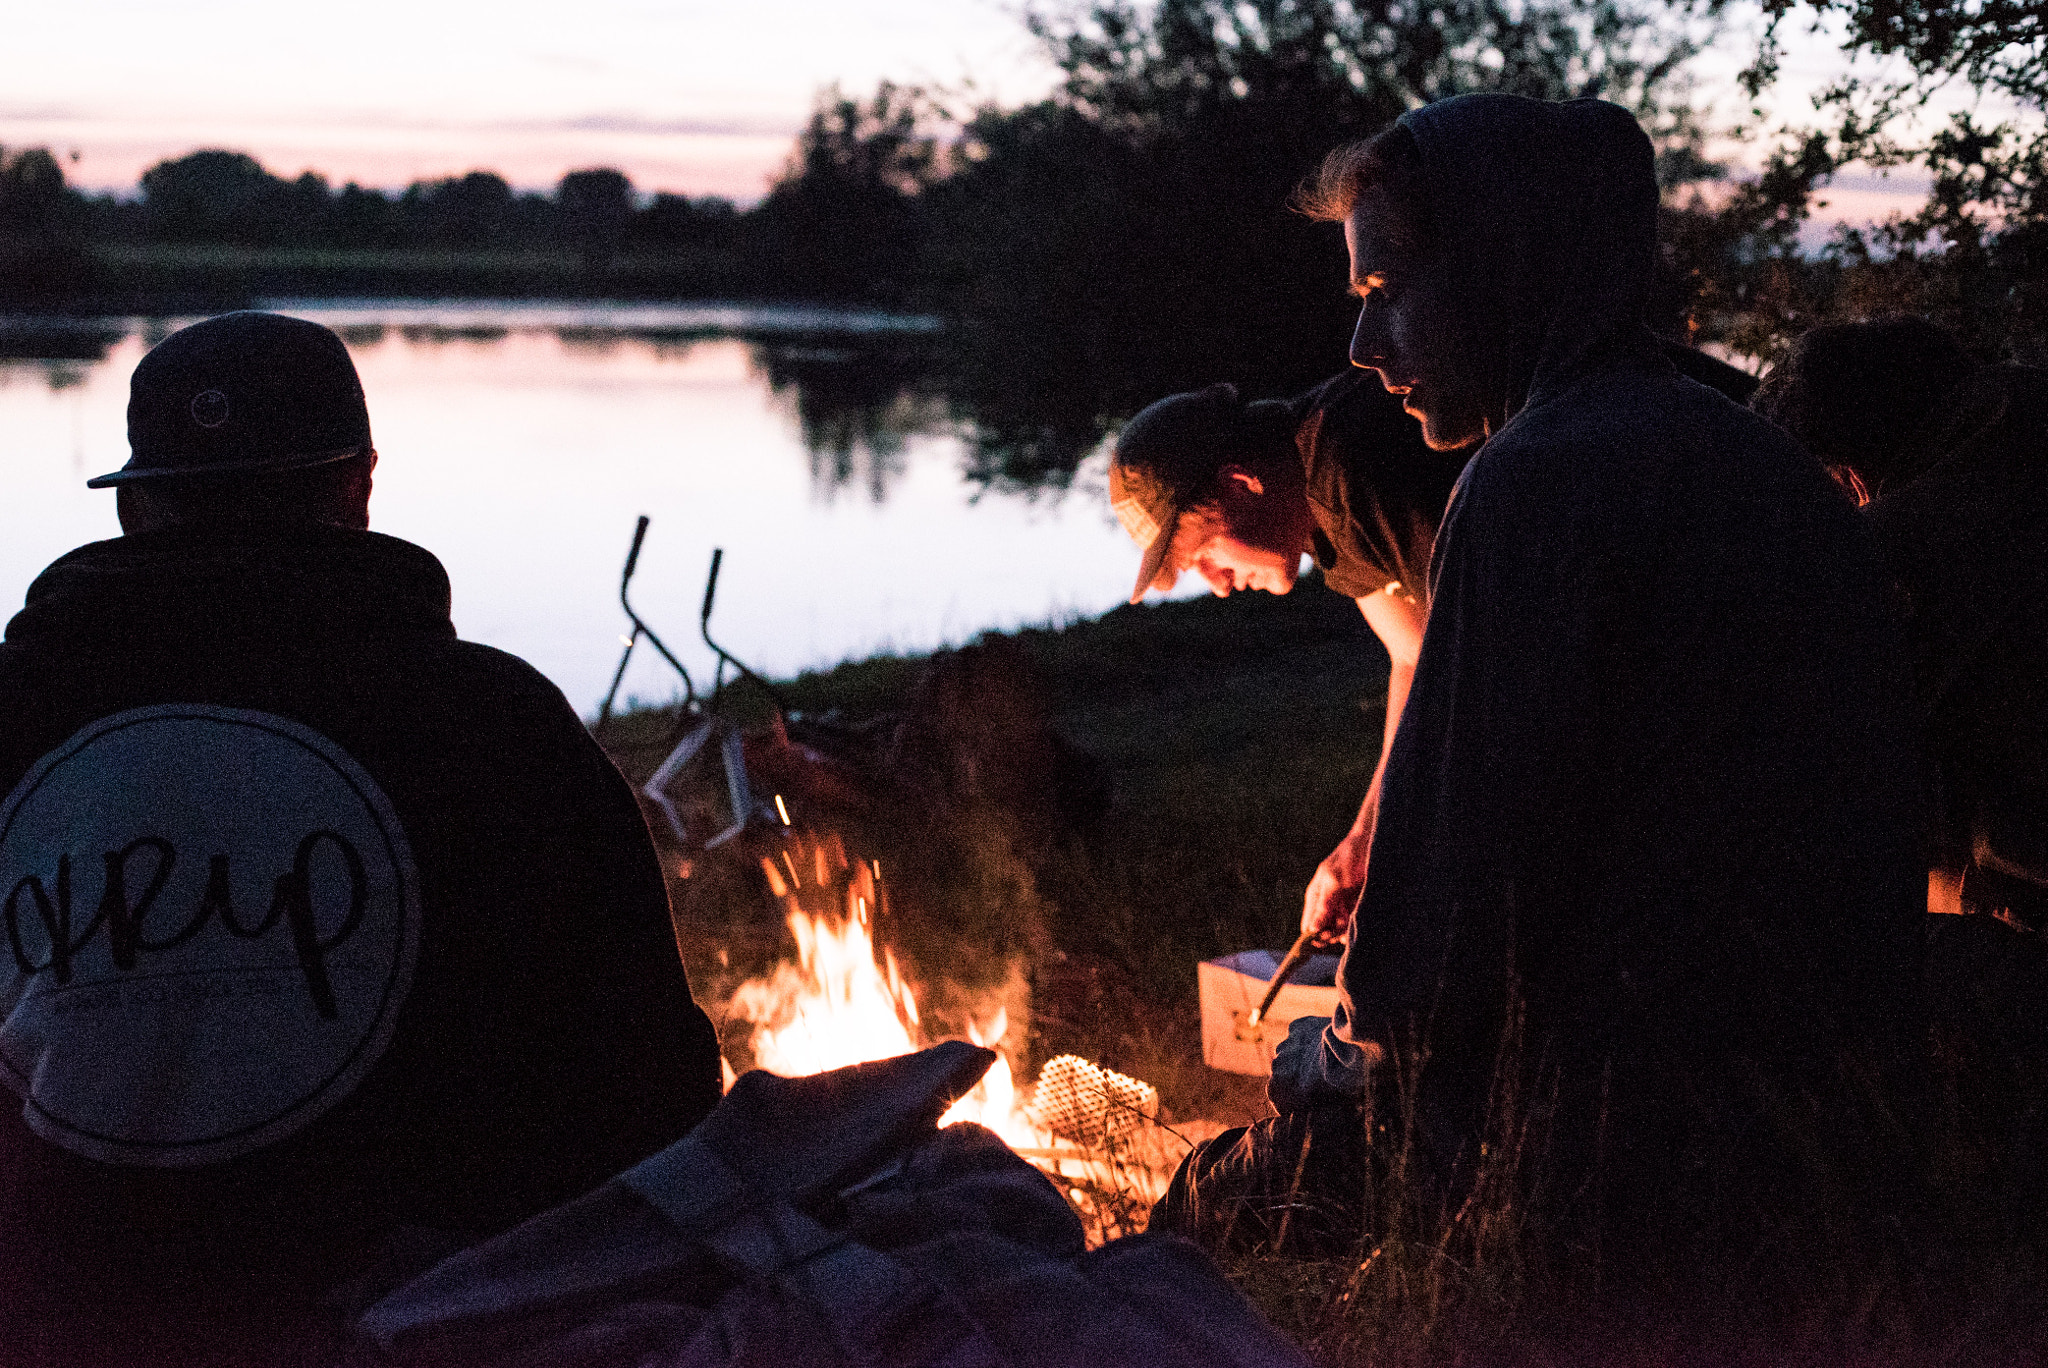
<point>42,253</point>
<point>364,218</point>
<point>34,201</point>
<point>214,196</point>
<point>472,211</point>
<point>595,209</point>
<point>845,220</point>
<point>1971,254</point>
<point>673,221</point>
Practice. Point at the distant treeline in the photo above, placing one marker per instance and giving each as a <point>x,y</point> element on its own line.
<point>66,246</point>
<point>1129,235</point>
<point>227,198</point>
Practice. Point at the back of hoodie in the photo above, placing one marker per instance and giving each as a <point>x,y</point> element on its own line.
<point>327,934</point>
<point>1655,773</point>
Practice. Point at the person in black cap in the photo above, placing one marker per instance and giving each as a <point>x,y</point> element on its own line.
<point>332,942</point>
<point>1239,491</point>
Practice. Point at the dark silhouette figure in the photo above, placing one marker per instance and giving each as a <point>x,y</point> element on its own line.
<point>1952,460</point>
<point>332,942</point>
<point>1649,816</point>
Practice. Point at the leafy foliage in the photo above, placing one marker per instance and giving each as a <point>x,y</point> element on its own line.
<point>41,256</point>
<point>223,198</point>
<point>2000,45</point>
<point>595,208</point>
<point>1971,255</point>
<point>1132,234</point>
<point>845,218</point>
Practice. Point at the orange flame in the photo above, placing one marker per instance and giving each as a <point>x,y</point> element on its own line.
<point>845,1002</point>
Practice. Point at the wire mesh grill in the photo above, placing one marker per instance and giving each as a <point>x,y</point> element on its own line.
<point>1091,1105</point>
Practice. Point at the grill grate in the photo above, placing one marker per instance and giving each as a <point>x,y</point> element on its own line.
<point>1091,1105</point>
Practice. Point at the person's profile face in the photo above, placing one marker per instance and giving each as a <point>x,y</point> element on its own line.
<point>1411,328</point>
<point>1247,543</point>
<point>1230,563</point>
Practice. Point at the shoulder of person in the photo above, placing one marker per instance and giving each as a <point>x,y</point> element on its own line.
<point>1629,453</point>
<point>506,694</point>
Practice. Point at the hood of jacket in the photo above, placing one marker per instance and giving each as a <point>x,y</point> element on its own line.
<point>227,581</point>
<point>1547,212</point>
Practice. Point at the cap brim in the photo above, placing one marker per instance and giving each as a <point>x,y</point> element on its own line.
<point>1155,559</point>
<point>130,474</point>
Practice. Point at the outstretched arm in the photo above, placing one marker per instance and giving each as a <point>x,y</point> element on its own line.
<point>1397,621</point>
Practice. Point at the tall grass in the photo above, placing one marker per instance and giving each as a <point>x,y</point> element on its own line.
<point>1237,738</point>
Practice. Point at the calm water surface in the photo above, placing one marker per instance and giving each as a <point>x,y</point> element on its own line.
<point>520,442</point>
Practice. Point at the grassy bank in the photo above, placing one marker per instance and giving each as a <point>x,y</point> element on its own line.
<point>1234,739</point>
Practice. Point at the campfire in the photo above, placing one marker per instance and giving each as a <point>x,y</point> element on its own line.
<point>844,1001</point>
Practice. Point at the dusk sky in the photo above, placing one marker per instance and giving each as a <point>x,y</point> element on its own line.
<point>699,96</point>
<point>694,96</point>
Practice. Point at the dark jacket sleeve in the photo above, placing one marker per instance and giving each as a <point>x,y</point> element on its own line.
<point>1486,744</point>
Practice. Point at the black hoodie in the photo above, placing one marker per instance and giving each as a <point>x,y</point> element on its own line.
<point>1654,771</point>
<point>360,931</point>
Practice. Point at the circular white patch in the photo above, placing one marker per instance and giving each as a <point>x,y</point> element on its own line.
<point>209,922</point>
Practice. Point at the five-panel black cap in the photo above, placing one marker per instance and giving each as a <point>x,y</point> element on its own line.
<point>244,392</point>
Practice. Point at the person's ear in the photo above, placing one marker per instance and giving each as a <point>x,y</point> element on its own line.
<point>1239,480</point>
<point>356,511</point>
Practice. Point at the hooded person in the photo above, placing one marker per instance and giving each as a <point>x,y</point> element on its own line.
<point>1239,492</point>
<point>1952,463</point>
<point>1645,846</point>
<point>1952,459</point>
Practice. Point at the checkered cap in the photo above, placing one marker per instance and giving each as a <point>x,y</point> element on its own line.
<point>1146,507</point>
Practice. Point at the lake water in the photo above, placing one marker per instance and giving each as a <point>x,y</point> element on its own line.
<point>519,443</point>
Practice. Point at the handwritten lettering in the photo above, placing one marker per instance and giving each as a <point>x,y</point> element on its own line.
<point>31,906</point>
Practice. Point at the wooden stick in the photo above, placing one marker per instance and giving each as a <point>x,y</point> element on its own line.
<point>1295,956</point>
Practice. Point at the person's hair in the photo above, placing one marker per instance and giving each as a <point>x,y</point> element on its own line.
<point>1861,397</point>
<point>329,493</point>
<point>1391,160</point>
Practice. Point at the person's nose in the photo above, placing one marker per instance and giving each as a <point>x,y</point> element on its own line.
<point>1368,343</point>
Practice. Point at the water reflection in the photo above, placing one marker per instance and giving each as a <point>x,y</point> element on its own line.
<point>858,502</point>
<point>859,385</point>
<point>857,402</point>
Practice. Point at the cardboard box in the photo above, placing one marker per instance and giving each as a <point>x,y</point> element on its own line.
<point>1232,986</point>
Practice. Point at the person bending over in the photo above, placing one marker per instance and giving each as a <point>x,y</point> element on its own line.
<point>332,942</point>
<point>1238,492</point>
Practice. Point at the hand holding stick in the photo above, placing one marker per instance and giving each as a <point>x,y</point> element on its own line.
<point>1295,956</point>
